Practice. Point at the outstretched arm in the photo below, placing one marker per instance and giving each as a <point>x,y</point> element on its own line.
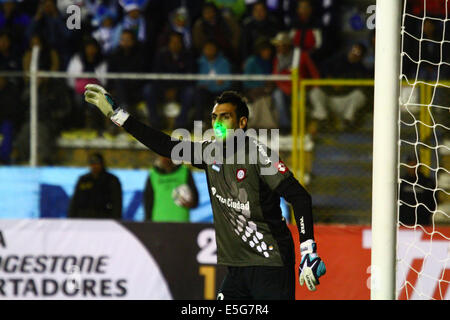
<point>155,140</point>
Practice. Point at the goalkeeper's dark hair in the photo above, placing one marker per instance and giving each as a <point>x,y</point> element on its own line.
<point>236,100</point>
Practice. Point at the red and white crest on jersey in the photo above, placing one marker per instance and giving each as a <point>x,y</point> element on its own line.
<point>281,167</point>
<point>241,174</point>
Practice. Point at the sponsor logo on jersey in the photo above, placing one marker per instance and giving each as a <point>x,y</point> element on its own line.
<point>241,174</point>
<point>229,202</point>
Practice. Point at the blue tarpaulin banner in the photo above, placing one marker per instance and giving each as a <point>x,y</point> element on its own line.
<point>45,192</point>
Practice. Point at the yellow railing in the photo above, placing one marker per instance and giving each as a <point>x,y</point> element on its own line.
<point>298,106</point>
<point>299,116</point>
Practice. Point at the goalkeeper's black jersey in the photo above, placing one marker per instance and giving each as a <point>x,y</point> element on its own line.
<point>245,197</point>
<point>250,229</point>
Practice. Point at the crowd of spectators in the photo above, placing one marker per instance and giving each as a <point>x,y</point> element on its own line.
<point>166,36</point>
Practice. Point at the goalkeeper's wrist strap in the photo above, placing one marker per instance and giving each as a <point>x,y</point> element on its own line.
<point>308,246</point>
<point>119,117</point>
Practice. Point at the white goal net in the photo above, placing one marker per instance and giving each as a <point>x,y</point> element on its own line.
<point>423,235</point>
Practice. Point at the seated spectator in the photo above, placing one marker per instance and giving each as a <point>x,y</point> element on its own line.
<point>281,10</point>
<point>171,59</point>
<point>179,23</point>
<point>49,22</point>
<point>211,62</point>
<point>349,64</point>
<point>98,194</point>
<point>343,101</point>
<point>259,92</point>
<point>133,21</point>
<point>169,192</point>
<point>15,22</point>
<point>105,33</point>
<point>158,15</point>
<point>89,59</point>
<point>282,65</point>
<point>259,24</point>
<point>128,57</point>
<point>261,62</point>
<point>222,29</point>
<point>305,30</point>
<point>327,15</point>
<point>49,59</point>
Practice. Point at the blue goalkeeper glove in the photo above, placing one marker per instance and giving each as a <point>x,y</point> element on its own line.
<point>311,266</point>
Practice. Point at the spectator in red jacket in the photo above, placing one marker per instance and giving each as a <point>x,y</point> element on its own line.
<point>282,65</point>
<point>305,31</point>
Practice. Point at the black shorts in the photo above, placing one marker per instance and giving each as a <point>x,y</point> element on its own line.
<point>258,283</point>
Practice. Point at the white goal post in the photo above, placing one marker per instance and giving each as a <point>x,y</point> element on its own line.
<point>384,182</point>
<point>411,151</point>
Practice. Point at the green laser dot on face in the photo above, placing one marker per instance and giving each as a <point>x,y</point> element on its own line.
<point>220,130</point>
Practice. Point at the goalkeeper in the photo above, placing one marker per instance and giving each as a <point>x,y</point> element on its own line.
<point>252,237</point>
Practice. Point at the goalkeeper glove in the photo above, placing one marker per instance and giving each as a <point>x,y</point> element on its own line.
<point>99,97</point>
<point>311,266</point>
